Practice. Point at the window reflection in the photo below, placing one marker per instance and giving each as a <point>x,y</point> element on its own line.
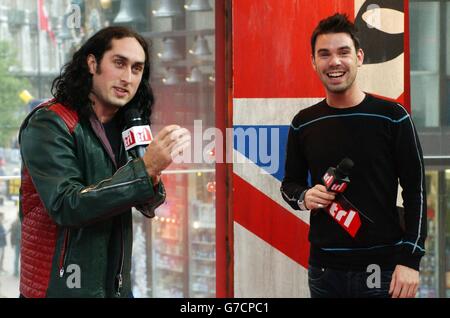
<point>424,47</point>
<point>428,273</point>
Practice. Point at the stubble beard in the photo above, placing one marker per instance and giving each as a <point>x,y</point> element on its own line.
<point>341,88</point>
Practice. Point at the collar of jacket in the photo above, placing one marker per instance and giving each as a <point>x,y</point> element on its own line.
<point>99,130</point>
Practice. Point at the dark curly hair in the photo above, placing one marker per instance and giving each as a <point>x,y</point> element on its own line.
<point>337,23</point>
<point>74,84</point>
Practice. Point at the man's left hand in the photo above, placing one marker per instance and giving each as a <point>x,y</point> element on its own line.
<point>404,283</point>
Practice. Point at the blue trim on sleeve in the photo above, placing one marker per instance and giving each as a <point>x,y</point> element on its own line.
<point>415,246</point>
<point>369,248</point>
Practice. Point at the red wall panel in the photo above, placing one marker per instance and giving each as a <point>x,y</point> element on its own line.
<point>271,46</point>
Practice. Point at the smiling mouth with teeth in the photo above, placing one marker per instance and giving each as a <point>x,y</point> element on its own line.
<point>335,74</point>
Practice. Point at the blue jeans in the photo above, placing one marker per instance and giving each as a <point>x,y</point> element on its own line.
<point>332,283</point>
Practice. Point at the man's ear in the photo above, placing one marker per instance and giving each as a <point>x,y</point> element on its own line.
<point>313,62</point>
<point>92,64</point>
<point>360,57</point>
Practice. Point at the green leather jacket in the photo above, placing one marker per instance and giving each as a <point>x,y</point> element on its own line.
<point>76,207</point>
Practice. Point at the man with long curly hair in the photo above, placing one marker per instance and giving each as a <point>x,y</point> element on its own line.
<point>78,182</point>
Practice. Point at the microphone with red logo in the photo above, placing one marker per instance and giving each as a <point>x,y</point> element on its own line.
<point>341,210</point>
<point>136,137</point>
<point>336,179</point>
<point>137,134</point>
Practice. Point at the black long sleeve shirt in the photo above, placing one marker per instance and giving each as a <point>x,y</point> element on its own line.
<point>379,136</point>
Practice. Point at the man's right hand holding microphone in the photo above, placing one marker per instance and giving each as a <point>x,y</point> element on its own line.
<point>318,197</point>
<point>335,182</point>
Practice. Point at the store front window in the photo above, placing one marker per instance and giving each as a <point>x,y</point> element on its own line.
<point>435,265</point>
<point>430,106</point>
<point>428,274</point>
<point>174,254</point>
<point>180,241</point>
<point>446,202</point>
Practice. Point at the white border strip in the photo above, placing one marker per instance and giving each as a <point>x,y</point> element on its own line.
<point>269,111</point>
<point>264,183</point>
<point>279,276</point>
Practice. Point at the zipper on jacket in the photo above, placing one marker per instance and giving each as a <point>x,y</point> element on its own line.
<point>119,276</point>
<point>63,256</point>
<point>96,189</point>
<point>119,284</point>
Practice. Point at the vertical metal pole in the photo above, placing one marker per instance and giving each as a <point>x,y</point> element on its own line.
<point>441,261</point>
<point>444,119</point>
<point>224,171</point>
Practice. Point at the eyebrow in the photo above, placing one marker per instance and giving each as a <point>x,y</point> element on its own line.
<point>322,51</point>
<point>346,47</point>
<point>127,59</point>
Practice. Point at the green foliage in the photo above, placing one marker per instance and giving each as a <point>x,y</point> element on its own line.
<point>12,108</point>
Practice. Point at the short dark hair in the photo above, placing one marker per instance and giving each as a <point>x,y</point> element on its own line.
<point>74,84</point>
<point>337,23</point>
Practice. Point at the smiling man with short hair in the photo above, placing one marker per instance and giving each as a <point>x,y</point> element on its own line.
<point>380,138</point>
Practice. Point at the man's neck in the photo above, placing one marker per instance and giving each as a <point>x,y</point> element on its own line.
<point>347,99</point>
<point>104,114</point>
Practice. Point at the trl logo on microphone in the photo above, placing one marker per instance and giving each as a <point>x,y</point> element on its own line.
<point>347,218</point>
<point>334,185</point>
<point>137,136</point>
